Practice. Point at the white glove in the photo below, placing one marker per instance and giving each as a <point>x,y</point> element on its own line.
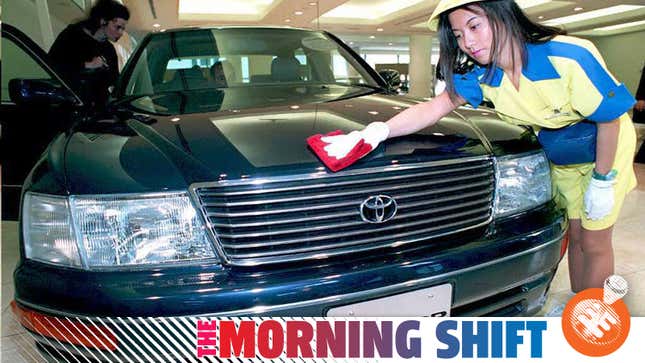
<point>340,145</point>
<point>599,198</point>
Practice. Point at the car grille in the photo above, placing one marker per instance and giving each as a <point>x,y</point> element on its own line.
<point>318,215</point>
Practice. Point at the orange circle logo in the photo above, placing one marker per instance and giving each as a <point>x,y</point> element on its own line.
<point>595,324</point>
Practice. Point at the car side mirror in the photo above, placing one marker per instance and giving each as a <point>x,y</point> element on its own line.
<point>39,92</point>
<point>392,78</point>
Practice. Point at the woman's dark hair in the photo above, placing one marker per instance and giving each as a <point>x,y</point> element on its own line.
<point>106,10</point>
<point>509,25</point>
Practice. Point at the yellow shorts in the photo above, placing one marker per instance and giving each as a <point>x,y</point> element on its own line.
<point>570,181</point>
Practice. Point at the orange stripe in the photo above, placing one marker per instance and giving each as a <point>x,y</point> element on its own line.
<point>65,331</point>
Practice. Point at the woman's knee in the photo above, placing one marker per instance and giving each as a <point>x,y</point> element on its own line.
<point>596,242</point>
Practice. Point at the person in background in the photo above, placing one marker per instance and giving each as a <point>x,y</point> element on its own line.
<point>537,76</point>
<point>639,114</point>
<point>222,73</point>
<point>639,107</point>
<point>82,52</point>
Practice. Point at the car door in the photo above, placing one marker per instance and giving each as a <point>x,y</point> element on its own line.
<point>25,131</point>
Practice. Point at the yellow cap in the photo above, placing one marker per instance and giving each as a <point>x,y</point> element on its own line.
<point>443,6</point>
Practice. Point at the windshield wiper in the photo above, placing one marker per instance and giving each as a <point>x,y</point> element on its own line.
<point>378,88</point>
<point>361,85</point>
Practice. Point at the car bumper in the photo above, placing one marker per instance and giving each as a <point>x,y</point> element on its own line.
<point>506,272</point>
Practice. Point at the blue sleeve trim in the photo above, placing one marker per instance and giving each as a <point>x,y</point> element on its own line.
<point>615,102</point>
<point>467,86</point>
<point>616,98</point>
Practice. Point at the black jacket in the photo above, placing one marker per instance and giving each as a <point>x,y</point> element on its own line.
<point>639,116</point>
<point>72,48</point>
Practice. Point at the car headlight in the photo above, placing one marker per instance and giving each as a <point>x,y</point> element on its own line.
<point>47,230</point>
<point>522,183</point>
<point>113,231</point>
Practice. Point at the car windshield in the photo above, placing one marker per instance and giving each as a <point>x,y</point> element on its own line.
<point>272,60</point>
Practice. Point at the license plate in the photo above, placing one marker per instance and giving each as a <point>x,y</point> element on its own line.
<point>432,301</point>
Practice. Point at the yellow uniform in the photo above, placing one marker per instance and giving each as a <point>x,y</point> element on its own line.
<point>564,81</point>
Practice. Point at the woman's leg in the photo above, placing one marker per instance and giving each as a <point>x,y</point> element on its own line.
<point>576,256</point>
<point>598,256</point>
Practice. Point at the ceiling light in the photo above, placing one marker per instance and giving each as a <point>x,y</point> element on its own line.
<point>287,20</point>
<point>541,17</point>
<point>525,4</point>
<point>351,43</point>
<point>390,43</point>
<point>369,10</point>
<point>578,9</point>
<point>372,37</point>
<point>162,30</point>
<point>379,29</point>
<point>298,12</point>
<point>201,9</point>
<point>155,25</point>
<point>593,14</point>
<point>313,3</point>
<point>620,26</point>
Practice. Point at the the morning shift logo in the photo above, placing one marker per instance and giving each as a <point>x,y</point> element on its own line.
<point>596,321</point>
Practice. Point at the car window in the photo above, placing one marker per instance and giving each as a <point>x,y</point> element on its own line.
<point>16,63</point>
<point>343,71</point>
<point>229,58</point>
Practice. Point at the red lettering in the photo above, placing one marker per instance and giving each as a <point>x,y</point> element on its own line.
<point>328,338</point>
<point>354,339</point>
<point>207,325</point>
<point>206,338</point>
<point>299,336</point>
<point>231,337</point>
<point>270,331</point>
<point>201,351</point>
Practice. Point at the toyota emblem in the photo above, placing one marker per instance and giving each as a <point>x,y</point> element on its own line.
<point>378,209</point>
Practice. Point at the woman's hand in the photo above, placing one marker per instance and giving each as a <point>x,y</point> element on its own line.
<point>599,198</point>
<point>340,145</point>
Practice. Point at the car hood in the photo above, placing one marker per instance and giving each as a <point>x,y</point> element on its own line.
<point>148,152</point>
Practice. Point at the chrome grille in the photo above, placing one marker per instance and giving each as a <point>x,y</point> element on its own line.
<point>316,216</point>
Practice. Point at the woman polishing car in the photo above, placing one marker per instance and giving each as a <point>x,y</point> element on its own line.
<point>533,75</point>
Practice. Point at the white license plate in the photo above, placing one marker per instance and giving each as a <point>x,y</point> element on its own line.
<point>432,301</point>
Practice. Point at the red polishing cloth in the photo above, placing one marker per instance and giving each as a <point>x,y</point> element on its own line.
<point>318,146</point>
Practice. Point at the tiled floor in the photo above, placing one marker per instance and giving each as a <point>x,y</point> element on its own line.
<point>17,345</point>
<point>629,243</point>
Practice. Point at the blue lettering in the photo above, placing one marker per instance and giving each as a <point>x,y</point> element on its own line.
<point>492,339</point>
<point>446,338</point>
<point>497,339</point>
<point>536,328</point>
<point>470,339</point>
<point>414,349</point>
<point>512,338</point>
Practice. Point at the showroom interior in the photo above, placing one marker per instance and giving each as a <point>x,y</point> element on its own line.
<point>386,35</point>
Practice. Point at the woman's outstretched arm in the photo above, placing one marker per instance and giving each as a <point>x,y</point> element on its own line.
<point>422,115</point>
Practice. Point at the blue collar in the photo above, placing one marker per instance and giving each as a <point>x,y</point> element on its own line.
<point>538,67</point>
